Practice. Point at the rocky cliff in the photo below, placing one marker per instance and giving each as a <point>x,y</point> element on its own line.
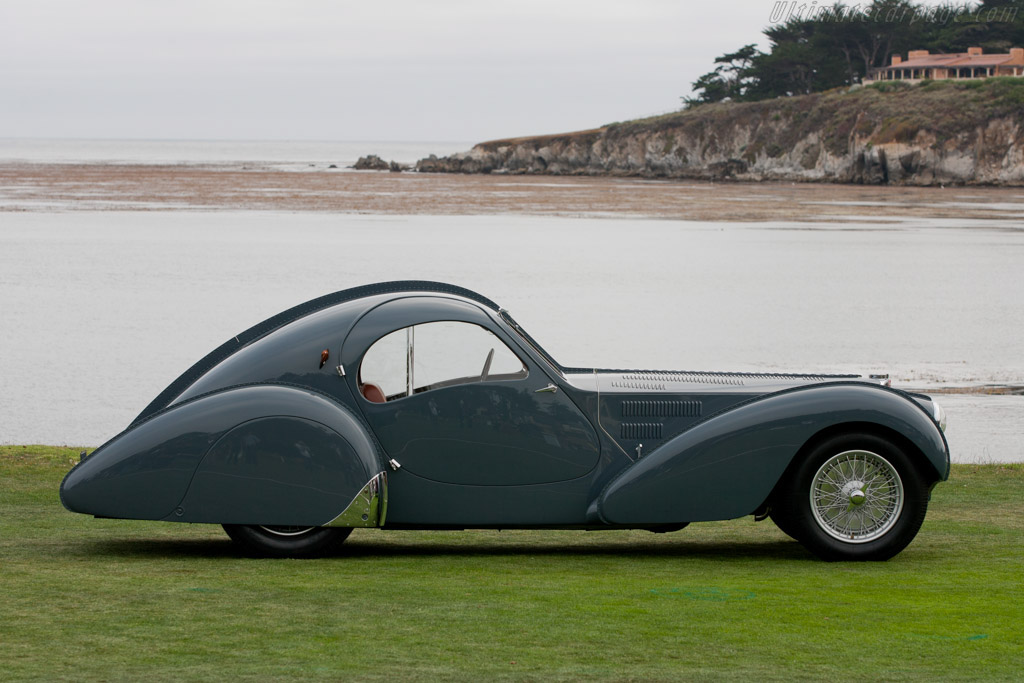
<point>939,132</point>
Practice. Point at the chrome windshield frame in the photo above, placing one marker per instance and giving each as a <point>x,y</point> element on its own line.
<point>530,343</point>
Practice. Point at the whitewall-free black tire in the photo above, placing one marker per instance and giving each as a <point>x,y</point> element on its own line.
<point>854,496</point>
<point>286,541</point>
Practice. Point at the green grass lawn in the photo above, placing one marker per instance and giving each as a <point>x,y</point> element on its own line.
<point>84,598</point>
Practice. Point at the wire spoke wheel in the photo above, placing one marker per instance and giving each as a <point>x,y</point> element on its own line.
<point>853,497</point>
<point>856,496</point>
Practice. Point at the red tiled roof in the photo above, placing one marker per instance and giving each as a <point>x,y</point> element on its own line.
<point>924,62</point>
<point>982,60</point>
<point>961,59</point>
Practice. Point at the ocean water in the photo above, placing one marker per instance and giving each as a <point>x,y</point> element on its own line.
<point>286,154</point>
<point>101,310</point>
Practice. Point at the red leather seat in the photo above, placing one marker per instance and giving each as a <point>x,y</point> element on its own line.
<point>373,393</point>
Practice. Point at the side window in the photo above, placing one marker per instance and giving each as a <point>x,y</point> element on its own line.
<point>435,355</point>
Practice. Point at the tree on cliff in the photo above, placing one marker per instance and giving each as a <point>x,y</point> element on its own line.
<point>732,79</point>
<point>834,46</point>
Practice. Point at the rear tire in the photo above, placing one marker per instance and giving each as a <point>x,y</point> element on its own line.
<point>854,497</point>
<point>286,541</point>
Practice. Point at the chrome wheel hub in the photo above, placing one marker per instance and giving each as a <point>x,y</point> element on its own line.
<point>854,491</point>
<point>856,496</point>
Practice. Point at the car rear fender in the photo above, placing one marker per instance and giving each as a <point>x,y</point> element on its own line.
<point>726,466</point>
<point>260,454</point>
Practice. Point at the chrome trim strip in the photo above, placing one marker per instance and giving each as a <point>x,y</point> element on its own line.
<point>600,425</point>
<point>368,508</point>
<point>410,345</point>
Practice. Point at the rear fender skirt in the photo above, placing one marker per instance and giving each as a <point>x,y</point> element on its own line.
<point>725,466</point>
<point>259,454</point>
<point>370,506</point>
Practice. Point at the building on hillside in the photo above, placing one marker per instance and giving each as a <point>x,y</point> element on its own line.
<point>971,64</point>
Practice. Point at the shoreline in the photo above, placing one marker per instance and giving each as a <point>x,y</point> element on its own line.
<point>941,133</point>
<point>47,187</point>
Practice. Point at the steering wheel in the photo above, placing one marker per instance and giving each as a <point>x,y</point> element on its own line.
<point>487,365</point>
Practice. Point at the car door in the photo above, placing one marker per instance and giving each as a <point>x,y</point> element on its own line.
<point>453,401</point>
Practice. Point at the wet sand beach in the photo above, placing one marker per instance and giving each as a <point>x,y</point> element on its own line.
<point>98,186</point>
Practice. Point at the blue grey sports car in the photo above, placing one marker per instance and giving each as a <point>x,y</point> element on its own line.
<point>420,405</point>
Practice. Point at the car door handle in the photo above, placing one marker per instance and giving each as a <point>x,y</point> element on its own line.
<point>549,389</point>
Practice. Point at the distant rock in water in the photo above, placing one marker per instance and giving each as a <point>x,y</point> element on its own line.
<point>943,133</point>
<point>375,163</point>
<point>371,163</point>
<point>433,164</point>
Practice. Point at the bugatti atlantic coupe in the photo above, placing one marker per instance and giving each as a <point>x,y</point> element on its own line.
<point>420,405</point>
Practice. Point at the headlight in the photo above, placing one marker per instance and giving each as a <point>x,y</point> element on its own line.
<point>939,415</point>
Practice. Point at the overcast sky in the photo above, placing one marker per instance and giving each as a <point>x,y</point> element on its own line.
<point>431,70</point>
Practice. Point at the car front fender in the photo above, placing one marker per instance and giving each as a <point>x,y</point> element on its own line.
<point>260,454</point>
<point>726,466</point>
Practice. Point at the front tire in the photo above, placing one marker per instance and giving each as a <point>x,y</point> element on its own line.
<point>854,497</point>
<point>286,541</point>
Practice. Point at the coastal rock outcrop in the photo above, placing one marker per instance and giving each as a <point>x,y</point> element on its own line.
<point>371,162</point>
<point>932,134</point>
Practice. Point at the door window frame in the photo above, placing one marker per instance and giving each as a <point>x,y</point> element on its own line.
<point>410,351</point>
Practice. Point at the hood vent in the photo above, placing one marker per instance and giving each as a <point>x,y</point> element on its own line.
<point>661,408</point>
<point>641,430</point>
<point>690,378</point>
<point>653,386</point>
<point>734,378</point>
